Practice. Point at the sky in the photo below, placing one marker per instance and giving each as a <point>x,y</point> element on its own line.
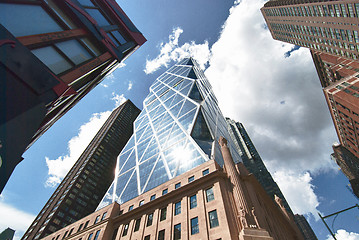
<point>270,86</point>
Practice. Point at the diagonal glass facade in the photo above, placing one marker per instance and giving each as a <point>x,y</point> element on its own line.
<point>177,130</point>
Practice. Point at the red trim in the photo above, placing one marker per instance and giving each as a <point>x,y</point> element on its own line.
<point>50,37</point>
<point>78,72</point>
<point>62,89</point>
<point>7,41</point>
<point>138,37</point>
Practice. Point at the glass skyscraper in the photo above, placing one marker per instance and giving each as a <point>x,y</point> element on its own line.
<point>177,130</point>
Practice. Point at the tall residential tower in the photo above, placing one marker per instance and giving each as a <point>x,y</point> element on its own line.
<point>88,180</point>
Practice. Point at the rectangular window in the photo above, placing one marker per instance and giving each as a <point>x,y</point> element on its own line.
<point>161,235</point>
<point>163,214</point>
<point>213,219</point>
<point>178,185</point>
<point>153,197</point>
<point>165,191</point>
<point>149,219</point>
<point>97,218</point>
<point>177,232</point>
<point>177,208</point>
<point>97,234</point>
<point>147,237</point>
<point>125,230</point>
<point>205,172</point>
<point>193,201</point>
<point>103,216</point>
<point>209,194</point>
<point>191,179</point>
<point>194,226</point>
<point>90,236</point>
<point>137,225</point>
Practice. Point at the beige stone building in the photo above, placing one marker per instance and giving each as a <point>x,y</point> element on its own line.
<point>207,202</point>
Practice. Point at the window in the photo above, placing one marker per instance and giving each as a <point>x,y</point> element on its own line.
<point>137,225</point>
<point>103,216</point>
<point>194,226</point>
<point>149,219</point>
<point>97,234</point>
<point>193,201</point>
<point>125,230</point>
<point>213,219</point>
<point>178,185</point>
<point>191,179</point>
<point>142,202</point>
<point>130,208</point>
<point>165,191</point>
<point>90,236</point>
<point>147,237</point>
<point>209,194</point>
<point>97,219</point>
<point>153,197</point>
<point>161,235</point>
<point>71,231</point>
<point>163,214</point>
<point>87,223</point>
<point>80,227</point>
<point>177,232</point>
<point>205,172</point>
<point>177,208</point>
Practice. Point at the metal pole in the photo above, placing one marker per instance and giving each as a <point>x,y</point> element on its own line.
<point>327,226</point>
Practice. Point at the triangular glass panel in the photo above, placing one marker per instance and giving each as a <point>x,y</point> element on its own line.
<point>193,158</point>
<point>185,89</point>
<point>129,163</point>
<point>184,71</point>
<point>176,99</point>
<point>131,190</point>
<point>176,135</point>
<point>195,94</point>
<point>176,109</point>
<point>192,74</point>
<point>121,182</point>
<point>200,130</point>
<point>186,120</point>
<point>142,146</point>
<point>152,150</point>
<point>140,132</point>
<point>122,158</point>
<point>190,62</point>
<point>175,155</point>
<point>187,107</point>
<point>129,144</point>
<point>145,169</point>
<point>178,85</point>
<point>158,176</point>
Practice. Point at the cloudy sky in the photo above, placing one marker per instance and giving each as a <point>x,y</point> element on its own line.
<point>269,86</point>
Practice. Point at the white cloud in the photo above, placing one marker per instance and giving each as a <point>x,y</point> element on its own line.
<point>59,167</point>
<point>14,219</point>
<point>277,97</point>
<point>299,192</point>
<point>119,99</point>
<point>171,51</point>
<point>130,85</point>
<point>344,235</point>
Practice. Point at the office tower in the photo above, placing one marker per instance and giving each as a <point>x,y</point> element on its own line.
<point>253,162</point>
<point>178,178</point>
<point>52,54</point>
<point>325,26</point>
<point>304,227</point>
<point>349,164</point>
<point>88,180</point>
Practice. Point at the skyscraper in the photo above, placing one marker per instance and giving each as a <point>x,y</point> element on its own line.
<point>88,180</point>
<point>304,227</point>
<point>178,178</point>
<point>52,53</point>
<point>253,162</point>
<point>325,26</point>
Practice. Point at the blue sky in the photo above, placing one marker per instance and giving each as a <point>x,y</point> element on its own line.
<point>277,97</point>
